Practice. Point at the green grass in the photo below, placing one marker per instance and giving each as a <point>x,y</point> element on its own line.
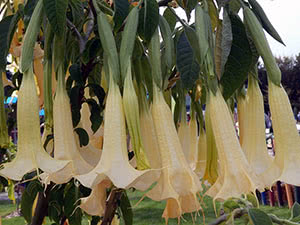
<point>149,212</point>
<point>6,207</point>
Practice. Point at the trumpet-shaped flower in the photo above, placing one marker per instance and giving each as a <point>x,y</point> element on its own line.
<point>238,176</point>
<point>30,155</point>
<point>178,184</point>
<point>287,141</point>
<point>254,143</point>
<point>114,162</point>
<point>65,146</point>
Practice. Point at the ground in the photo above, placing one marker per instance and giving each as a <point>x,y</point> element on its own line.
<point>147,212</point>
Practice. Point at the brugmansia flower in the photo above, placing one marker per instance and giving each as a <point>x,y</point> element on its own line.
<point>184,134</point>
<point>287,148</point>
<point>201,156</point>
<point>39,71</point>
<point>94,204</point>
<point>30,155</point>
<point>241,111</point>
<point>211,169</point>
<point>65,146</point>
<point>192,156</point>
<point>178,184</point>
<point>236,178</point>
<point>254,143</point>
<point>131,109</point>
<point>148,133</point>
<point>4,139</point>
<point>114,162</point>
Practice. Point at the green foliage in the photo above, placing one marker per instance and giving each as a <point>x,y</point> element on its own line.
<point>239,60</point>
<point>4,32</point>
<point>121,11</point>
<point>259,217</point>
<point>28,197</point>
<point>56,13</point>
<point>186,62</point>
<point>126,209</point>
<point>83,136</point>
<point>148,19</point>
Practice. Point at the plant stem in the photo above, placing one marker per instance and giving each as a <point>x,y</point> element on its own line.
<point>41,209</point>
<point>111,206</point>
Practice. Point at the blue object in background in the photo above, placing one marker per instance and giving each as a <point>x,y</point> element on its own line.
<point>11,100</point>
<point>264,198</point>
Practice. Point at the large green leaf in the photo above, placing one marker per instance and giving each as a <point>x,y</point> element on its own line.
<point>295,211</point>
<point>28,10</point>
<point>95,117</point>
<point>56,14</point>
<point>239,60</point>
<point>226,39</point>
<point>126,209</point>
<point>4,31</point>
<point>83,136</point>
<point>267,25</point>
<point>171,18</point>
<point>166,34</point>
<point>77,11</point>
<point>121,12</point>
<point>71,196</point>
<point>28,198</point>
<point>148,19</point>
<point>213,14</point>
<point>186,62</point>
<point>234,6</point>
<point>259,217</point>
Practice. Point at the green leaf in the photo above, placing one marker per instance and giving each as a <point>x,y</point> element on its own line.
<point>83,136</point>
<point>56,13</point>
<point>128,41</point>
<point>4,32</point>
<point>239,60</point>
<point>126,209</point>
<point>186,62</point>
<point>109,46</point>
<point>193,41</point>
<point>28,10</point>
<point>95,117</point>
<point>54,211</point>
<point>75,73</point>
<point>295,211</point>
<point>259,217</point>
<point>230,205</point>
<point>76,95</point>
<point>92,49</point>
<point>148,19</point>
<point>234,6</point>
<point>166,34</point>
<point>226,39</point>
<point>50,137</point>
<point>28,198</point>
<point>11,191</point>
<point>121,11</point>
<point>170,18</point>
<point>251,198</point>
<point>97,90</point>
<point>267,25</point>
<point>77,11</point>
<point>71,196</point>
<point>190,5</point>
<point>213,14</point>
